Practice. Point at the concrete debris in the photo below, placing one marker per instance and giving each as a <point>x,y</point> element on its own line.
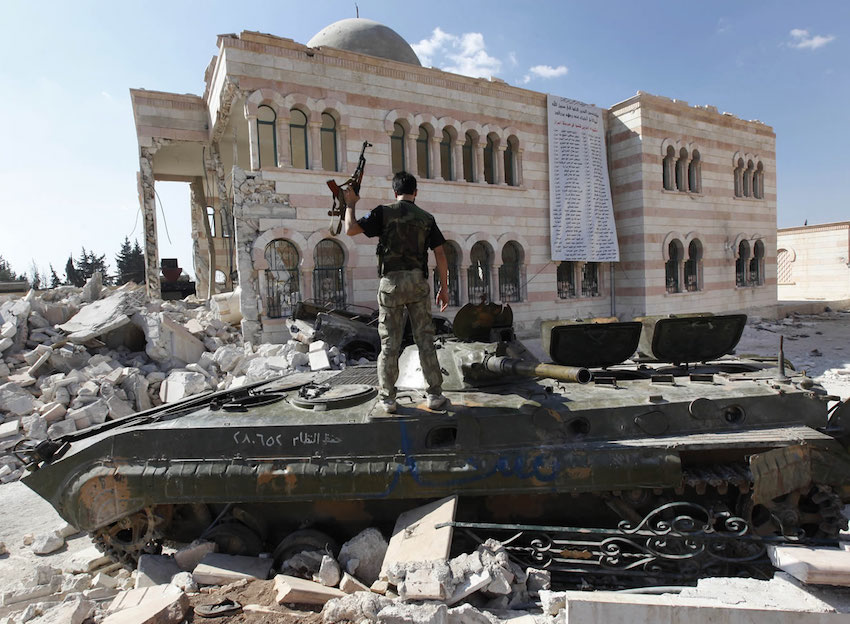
<point>161,606</point>
<point>72,358</point>
<point>328,573</point>
<point>190,556</point>
<point>426,613</point>
<point>46,544</point>
<point>217,569</point>
<point>363,555</point>
<point>75,611</point>
<point>354,608</point>
<point>291,589</point>
<point>351,585</point>
<point>156,570</point>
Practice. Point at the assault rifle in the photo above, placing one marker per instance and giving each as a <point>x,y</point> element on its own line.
<point>337,211</point>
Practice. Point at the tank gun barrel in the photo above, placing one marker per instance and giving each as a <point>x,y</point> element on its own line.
<point>513,367</point>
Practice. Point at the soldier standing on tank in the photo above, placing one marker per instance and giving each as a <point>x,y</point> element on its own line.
<point>406,233</point>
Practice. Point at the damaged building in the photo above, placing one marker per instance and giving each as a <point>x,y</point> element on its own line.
<point>693,189</point>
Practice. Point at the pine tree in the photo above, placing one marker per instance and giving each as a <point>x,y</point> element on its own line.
<point>54,279</point>
<point>72,276</point>
<point>6,272</point>
<point>130,262</point>
<point>88,263</point>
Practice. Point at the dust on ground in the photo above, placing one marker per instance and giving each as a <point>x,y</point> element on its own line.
<point>255,592</point>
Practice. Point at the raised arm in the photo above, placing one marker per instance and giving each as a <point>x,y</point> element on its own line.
<point>442,297</point>
<point>351,225</point>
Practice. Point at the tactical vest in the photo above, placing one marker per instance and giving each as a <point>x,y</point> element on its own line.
<point>403,244</point>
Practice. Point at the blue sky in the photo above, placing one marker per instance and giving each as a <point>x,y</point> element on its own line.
<point>69,158</point>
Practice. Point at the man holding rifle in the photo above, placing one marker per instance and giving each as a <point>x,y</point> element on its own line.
<point>405,234</point>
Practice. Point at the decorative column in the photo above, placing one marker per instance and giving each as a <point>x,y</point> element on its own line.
<point>436,159</point>
<point>410,153</point>
<point>147,199</point>
<point>457,159</point>
<point>253,142</point>
<point>314,147</point>
<point>284,153</point>
<point>500,164</point>
<point>518,167</point>
<point>247,231</point>
<point>478,162</point>
<point>199,224</point>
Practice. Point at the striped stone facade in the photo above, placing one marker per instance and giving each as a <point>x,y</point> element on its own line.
<point>236,143</point>
<point>813,262</point>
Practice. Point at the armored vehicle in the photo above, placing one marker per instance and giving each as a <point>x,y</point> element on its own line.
<point>675,462</point>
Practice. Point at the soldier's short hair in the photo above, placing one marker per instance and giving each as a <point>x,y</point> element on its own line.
<point>404,183</point>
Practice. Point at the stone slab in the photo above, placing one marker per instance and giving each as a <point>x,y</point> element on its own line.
<point>415,537</point>
<point>165,606</point>
<point>219,569</point>
<point>817,566</point>
<point>350,585</point>
<point>611,608</point>
<point>291,589</point>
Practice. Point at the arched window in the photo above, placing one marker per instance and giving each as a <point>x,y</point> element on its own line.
<point>741,263</point>
<point>590,279</point>
<point>298,138</point>
<point>468,158</point>
<point>478,274</point>
<point>328,134</point>
<point>489,162</point>
<point>446,169</point>
<point>282,284</point>
<point>758,181</point>
<point>695,173</point>
<point>668,167</point>
<point>566,277</point>
<point>454,275</point>
<point>397,139</point>
<point>671,267</point>
<point>784,267</point>
<point>267,136</point>
<point>211,220</point>
<point>748,179</point>
<point>329,273</point>
<point>693,266</point>
<point>757,265</point>
<point>739,178</point>
<point>509,273</point>
<point>682,170</point>
<point>220,280</point>
<point>510,162</point>
<point>423,153</point>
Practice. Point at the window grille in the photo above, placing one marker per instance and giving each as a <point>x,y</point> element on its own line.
<point>566,277</point>
<point>478,274</point>
<point>509,273</point>
<point>590,279</point>
<point>282,283</point>
<point>329,274</point>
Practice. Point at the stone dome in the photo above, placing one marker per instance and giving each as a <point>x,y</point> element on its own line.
<point>365,36</point>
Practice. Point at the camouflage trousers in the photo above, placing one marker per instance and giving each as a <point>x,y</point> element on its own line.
<point>400,290</point>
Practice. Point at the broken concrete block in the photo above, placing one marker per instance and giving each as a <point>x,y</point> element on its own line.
<point>469,586</point>
<point>328,573</point>
<point>61,428</point>
<point>91,290</point>
<point>823,566</point>
<point>53,412</point>
<point>104,580</point>
<point>228,358</point>
<point>467,614</point>
<point>426,613</point>
<point>86,560</point>
<point>6,343</point>
<point>8,329</point>
<point>367,547</point>
<point>415,537</point>
<point>188,557</point>
<point>100,317</point>
<point>162,604</point>
<point>218,569</point>
<point>4,550</point>
<point>15,400</point>
<point>422,584</point>
<point>46,544</point>
<point>93,413</point>
<point>76,583</point>
<point>358,607</point>
<point>291,589</point>
<point>537,580</point>
<point>319,360</point>
<point>318,345</point>
<point>551,602</point>
<point>23,380</point>
<point>350,585</point>
<point>29,594</point>
<point>193,326</point>
<point>67,530</point>
<point>118,408</point>
<point>168,342</point>
<point>32,371</point>
<point>181,384</point>
<point>10,429</point>
<point>136,387</point>
<point>74,611</point>
<point>155,570</point>
<point>184,581</point>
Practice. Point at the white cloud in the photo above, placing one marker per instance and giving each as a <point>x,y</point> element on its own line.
<point>801,39</point>
<point>461,54</point>
<point>547,71</point>
<point>512,58</point>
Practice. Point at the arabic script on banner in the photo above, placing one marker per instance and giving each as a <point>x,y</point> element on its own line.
<point>581,214</point>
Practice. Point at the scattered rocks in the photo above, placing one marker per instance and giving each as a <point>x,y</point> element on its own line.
<point>363,555</point>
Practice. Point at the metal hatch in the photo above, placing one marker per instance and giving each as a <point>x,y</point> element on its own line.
<point>594,345</point>
<point>694,338</point>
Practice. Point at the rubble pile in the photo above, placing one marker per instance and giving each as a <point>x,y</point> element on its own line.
<point>71,358</point>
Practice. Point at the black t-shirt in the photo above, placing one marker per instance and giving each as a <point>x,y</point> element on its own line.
<point>373,222</point>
